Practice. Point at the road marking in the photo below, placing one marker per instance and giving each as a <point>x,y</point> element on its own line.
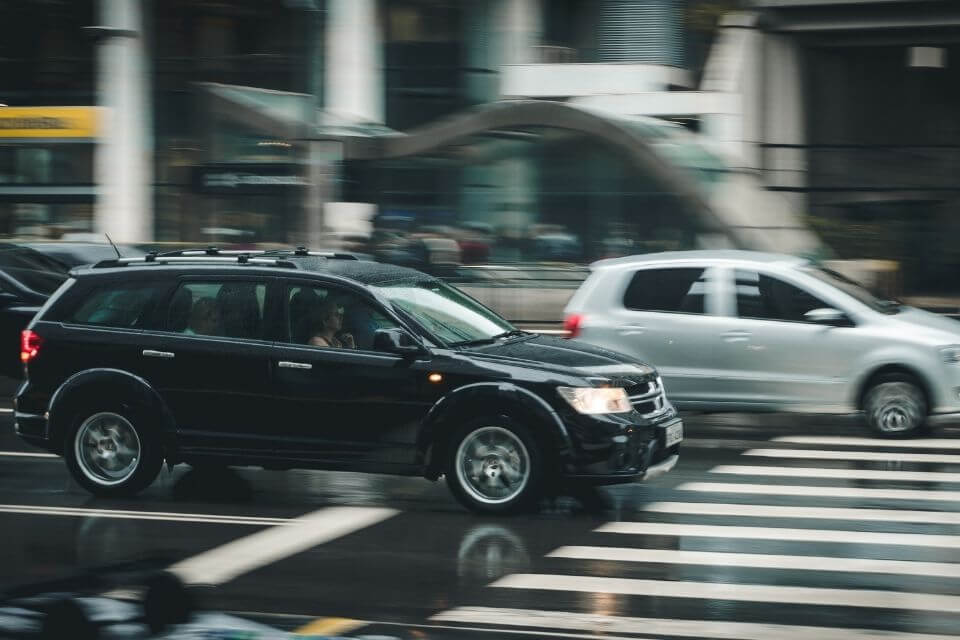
<point>821,492</point>
<point>140,515</point>
<point>851,474</point>
<point>868,598</point>
<point>6,410</point>
<point>817,513</point>
<point>27,454</point>
<point>760,561</point>
<point>329,627</point>
<point>777,533</point>
<point>602,625</point>
<point>915,443</point>
<point>226,562</point>
<point>881,456</point>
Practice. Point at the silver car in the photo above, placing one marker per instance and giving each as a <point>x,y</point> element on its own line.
<point>747,331</point>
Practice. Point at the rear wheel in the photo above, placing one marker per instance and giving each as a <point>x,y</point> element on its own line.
<point>495,466</point>
<point>113,451</point>
<point>895,406</point>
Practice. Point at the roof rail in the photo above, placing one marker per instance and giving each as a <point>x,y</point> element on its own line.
<point>303,251</point>
<point>239,258</point>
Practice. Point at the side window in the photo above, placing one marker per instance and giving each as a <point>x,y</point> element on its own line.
<point>124,306</point>
<point>331,318</point>
<point>765,298</point>
<point>228,309</point>
<point>681,290</point>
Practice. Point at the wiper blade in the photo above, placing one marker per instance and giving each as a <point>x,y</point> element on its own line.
<point>492,339</point>
<point>510,334</point>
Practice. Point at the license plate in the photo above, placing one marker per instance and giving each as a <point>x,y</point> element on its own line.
<point>673,435</point>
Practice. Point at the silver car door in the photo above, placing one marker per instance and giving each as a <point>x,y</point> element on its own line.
<point>665,317</point>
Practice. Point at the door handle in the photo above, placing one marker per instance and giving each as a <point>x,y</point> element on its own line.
<point>631,329</point>
<point>150,353</point>
<point>736,336</point>
<point>284,364</point>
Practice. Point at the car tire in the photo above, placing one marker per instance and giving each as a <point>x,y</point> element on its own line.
<point>895,407</point>
<point>495,466</point>
<point>113,451</point>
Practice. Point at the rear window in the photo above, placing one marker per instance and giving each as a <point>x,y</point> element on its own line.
<point>32,269</point>
<point>123,306</point>
<point>670,290</point>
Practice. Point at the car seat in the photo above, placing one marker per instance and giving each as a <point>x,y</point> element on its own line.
<point>239,310</point>
<point>180,306</point>
<point>304,306</point>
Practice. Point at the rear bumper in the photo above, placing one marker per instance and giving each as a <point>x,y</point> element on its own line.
<point>32,428</point>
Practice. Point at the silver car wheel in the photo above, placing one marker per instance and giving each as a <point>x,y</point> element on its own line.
<point>895,407</point>
<point>107,449</point>
<point>492,465</point>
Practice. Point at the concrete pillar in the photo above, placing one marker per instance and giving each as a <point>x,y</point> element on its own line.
<point>784,122</point>
<point>123,159</point>
<point>354,83</point>
<point>520,26</point>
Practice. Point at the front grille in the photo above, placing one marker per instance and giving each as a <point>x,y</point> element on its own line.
<point>647,398</point>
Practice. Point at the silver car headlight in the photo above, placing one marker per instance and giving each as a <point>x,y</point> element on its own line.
<point>594,400</point>
<point>951,354</point>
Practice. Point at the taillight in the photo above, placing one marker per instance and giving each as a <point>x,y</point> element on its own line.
<point>29,345</point>
<point>572,324</point>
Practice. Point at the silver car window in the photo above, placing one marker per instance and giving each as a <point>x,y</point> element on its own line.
<point>764,297</point>
<point>673,290</point>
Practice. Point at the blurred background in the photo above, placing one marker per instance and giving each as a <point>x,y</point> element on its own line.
<point>501,144</point>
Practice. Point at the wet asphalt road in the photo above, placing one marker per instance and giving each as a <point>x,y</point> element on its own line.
<point>748,531</point>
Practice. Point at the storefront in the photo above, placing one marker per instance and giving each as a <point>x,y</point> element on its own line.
<point>46,170</point>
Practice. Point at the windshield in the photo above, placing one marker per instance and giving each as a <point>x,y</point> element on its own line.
<point>32,269</point>
<point>447,313</point>
<point>853,288</point>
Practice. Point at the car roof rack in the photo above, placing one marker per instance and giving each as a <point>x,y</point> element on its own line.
<point>267,257</point>
<point>241,258</point>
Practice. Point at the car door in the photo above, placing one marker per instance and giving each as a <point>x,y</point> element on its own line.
<point>208,355</point>
<point>665,317</point>
<point>344,402</point>
<point>773,356</point>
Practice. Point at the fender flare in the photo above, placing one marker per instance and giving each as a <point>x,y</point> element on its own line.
<point>442,417</point>
<point>123,386</point>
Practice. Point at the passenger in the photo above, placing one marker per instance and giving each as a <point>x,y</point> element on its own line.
<point>329,334</point>
<point>203,318</point>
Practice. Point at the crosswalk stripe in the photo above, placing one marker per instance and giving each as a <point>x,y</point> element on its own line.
<point>760,561</point>
<point>783,534</point>
<point>817,513</point>
<point>851,474</point>
<point>916,443</point>
<point>867,598</point>
<point>712,629</point>
<point>820,492</point>
<point>880,456</point>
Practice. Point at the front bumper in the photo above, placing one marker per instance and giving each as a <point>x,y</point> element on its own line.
<point>620,451</point>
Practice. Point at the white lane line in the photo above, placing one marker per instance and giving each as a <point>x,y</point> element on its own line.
<point>226,562</point>
<point>850,474</point>
<point>760,561</point>
<point>27,454</point>
<point>868,598</point>
<point>820,492</point>
<point>777,533</point>
<point>880,456</point>
<point>6,410</point>
<point>602,625</point>
<point>816,513</point>
<point>917,443</point>
<point>140,515</point>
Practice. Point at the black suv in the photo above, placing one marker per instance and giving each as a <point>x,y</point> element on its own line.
<point>298,359</point>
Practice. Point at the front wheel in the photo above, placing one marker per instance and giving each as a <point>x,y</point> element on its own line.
<point>113,452</point>
<point>895,407</point>
<point>495,466</point>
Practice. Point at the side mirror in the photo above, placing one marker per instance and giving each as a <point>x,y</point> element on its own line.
<point>395,341</point>
<point>827,316</point>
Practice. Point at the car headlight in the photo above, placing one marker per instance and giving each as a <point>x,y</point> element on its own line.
<point>594,400</point>
<point>951,354</point>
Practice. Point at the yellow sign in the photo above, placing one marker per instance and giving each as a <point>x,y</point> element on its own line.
<point>49,122</point>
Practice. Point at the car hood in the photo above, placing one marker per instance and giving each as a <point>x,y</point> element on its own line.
<point>567,357</point>
<point>940,329</point>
